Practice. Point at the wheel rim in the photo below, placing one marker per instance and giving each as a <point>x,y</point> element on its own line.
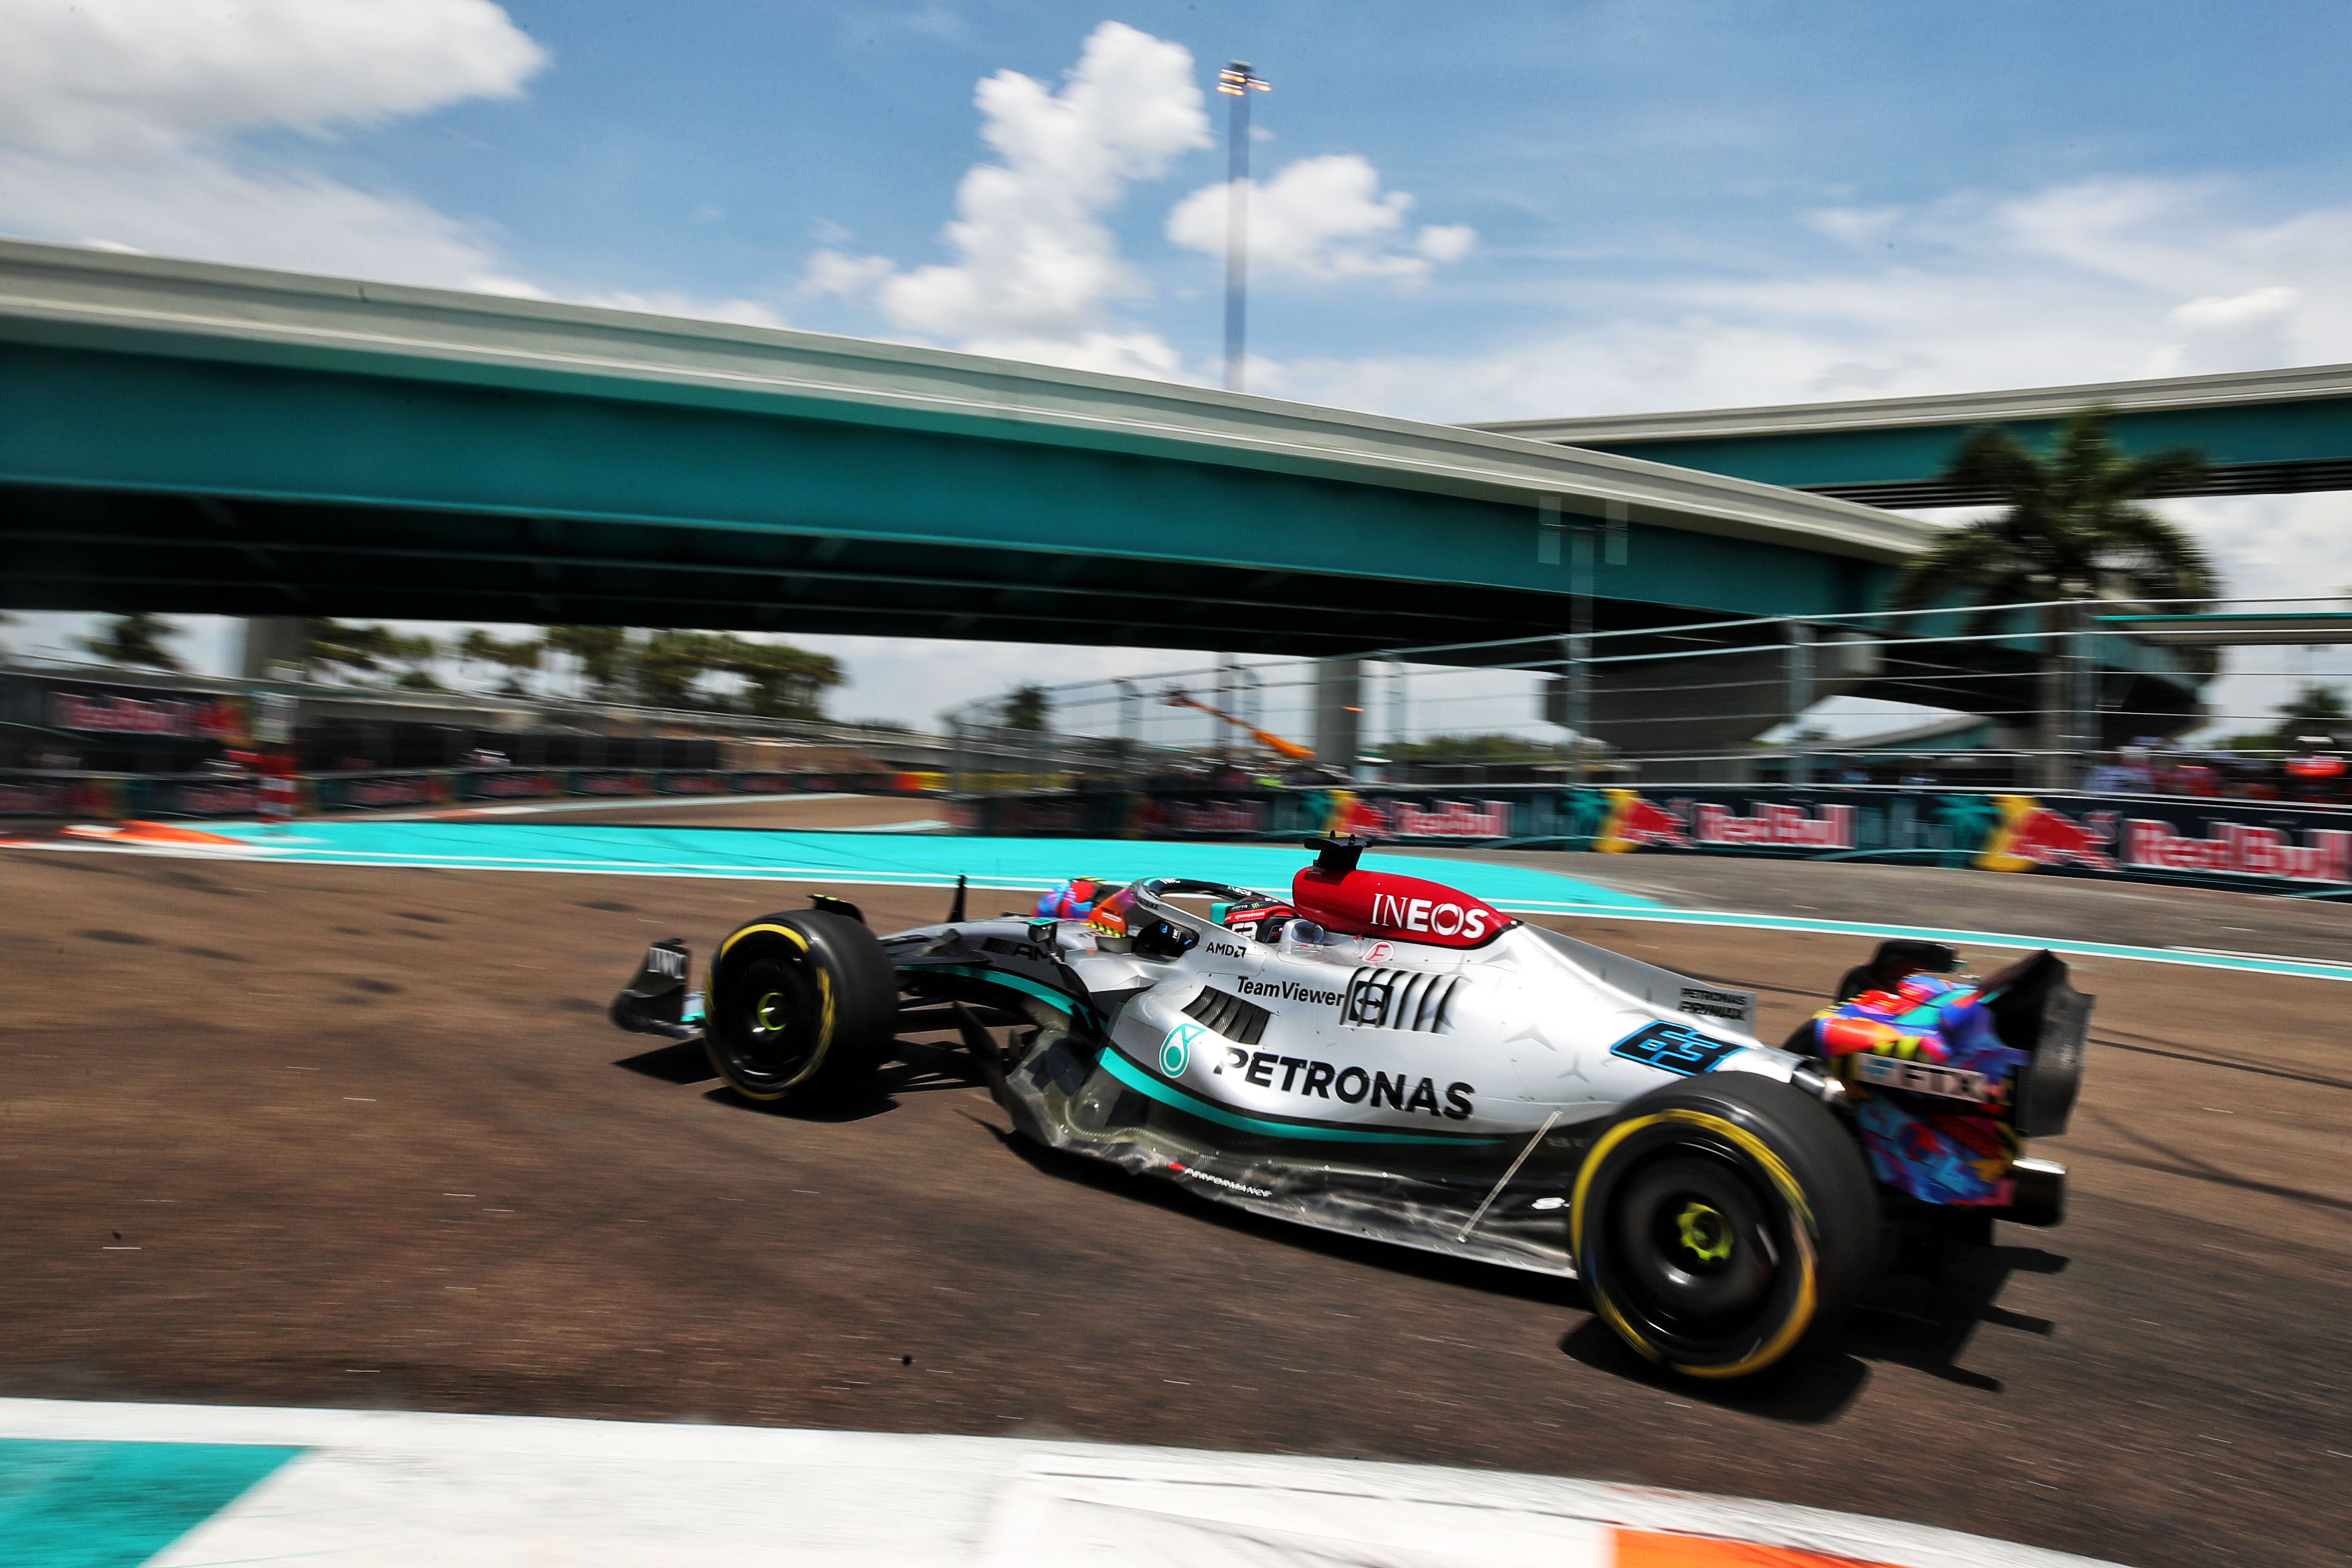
<point>1699,1250</point>
<point>769,1024</point>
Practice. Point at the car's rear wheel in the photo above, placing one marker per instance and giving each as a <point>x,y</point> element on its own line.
<point>802,1006</point>
<point>1722,1225</point>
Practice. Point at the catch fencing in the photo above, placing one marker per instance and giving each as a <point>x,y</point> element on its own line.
<point>2026,696</point>
<point>2252,846</point>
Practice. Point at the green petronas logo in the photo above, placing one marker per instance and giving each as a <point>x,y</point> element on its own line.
<point>1176,1050</point>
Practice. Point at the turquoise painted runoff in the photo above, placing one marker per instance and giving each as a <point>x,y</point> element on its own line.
<point>116,1505</point>
<point>923,860</point>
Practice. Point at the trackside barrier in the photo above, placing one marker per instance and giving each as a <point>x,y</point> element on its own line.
<point>2257,846</point>
<point>34,793</point>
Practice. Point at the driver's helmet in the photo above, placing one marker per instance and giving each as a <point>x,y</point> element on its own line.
<point>1262,918</point>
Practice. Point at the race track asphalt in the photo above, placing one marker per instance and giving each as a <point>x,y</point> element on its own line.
<point>344,1136</point>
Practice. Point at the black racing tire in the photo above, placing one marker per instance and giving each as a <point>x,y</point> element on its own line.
<point>1722,1225</point>
<point>802,1007</point>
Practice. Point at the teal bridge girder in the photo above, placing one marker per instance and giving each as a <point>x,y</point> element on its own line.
<point>2261,432</point>
<point>185,438</point>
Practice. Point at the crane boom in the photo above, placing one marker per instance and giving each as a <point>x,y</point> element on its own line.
<point>1179,698</point>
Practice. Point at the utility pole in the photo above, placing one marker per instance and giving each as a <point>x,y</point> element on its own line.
<point>1236,81</point>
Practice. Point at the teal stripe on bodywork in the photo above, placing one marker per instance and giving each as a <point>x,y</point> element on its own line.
<point>1062,999</point>
<point>116,1505</point>
<point>1142,1083</point>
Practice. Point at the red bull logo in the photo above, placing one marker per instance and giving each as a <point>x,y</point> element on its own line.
<point>2240,850</point>
<point>1781,826</point>
<point>1217,816</point>
<point>1635,824</point>
<point>2031,835</point>
<point>1455,819</point>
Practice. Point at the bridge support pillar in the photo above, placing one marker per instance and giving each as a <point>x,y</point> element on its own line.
<point>272,641</point>
<point>1339,712</point>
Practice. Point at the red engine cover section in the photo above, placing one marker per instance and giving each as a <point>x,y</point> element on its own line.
<point>1381,903</point>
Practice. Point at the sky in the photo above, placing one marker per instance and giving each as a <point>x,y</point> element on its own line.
<point>1467,213</point>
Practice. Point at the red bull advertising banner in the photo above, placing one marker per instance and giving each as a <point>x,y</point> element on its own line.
<point>2253,844</point>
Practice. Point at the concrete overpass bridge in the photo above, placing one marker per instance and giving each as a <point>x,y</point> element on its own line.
<point>178,436</point>
<point>185,438</point>
<point>2264,432</point>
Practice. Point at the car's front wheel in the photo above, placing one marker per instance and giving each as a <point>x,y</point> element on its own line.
<point>1722,1225</point>
<point>802,1005</point>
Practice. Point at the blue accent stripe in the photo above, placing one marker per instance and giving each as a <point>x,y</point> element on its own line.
<point>115,1505</point>
<point>1142,1083</point>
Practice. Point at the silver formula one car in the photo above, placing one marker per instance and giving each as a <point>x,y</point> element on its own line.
<point>1389,1057</point>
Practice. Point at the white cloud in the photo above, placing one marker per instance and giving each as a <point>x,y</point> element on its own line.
<point>185,202</point>
<point>837,272</point>
<point>1321,218</point>
<point>1445,242</point>
<point>2088,281</point>
<point>112,114</point>
<point>1035,261</point>
<point>98,78</point>
<point>2237,311</point>
<point>116,120</point>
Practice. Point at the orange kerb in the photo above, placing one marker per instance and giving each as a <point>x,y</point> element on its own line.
<point>1644,1549</point>
<point>149,833</point>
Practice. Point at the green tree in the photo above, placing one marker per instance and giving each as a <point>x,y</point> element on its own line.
<point>1027,707</point>
<point>663,667</point>
<point>136,639</point>
<point>782,681</point>
<point>480,647</point>
<point>355,650</point>
<point>2071,527</point>
<point>597,656</point>
<point>2314,710</point>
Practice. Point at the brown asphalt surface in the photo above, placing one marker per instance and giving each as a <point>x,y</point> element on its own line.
<point>345,1136</point>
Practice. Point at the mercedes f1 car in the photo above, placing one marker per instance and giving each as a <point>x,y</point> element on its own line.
<point>1390,1058</point>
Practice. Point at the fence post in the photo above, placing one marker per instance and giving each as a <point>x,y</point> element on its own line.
<point>2053,737</point>
<point>1576,705</point>
<point>1801,697</point>
<point>2082,716</point>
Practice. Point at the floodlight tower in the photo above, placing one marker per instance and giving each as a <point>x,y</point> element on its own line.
<point>1236,81</point>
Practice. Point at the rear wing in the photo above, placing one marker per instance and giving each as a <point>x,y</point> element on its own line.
<point>2036,1010</point>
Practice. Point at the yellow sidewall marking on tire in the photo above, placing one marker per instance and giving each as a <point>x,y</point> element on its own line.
<point>824,1017</point>
<point>1801,1312</point>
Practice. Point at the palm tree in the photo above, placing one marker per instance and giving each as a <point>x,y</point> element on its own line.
<point>2073,529</point>
<point>136,639</point>
<point>1027,707</point>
